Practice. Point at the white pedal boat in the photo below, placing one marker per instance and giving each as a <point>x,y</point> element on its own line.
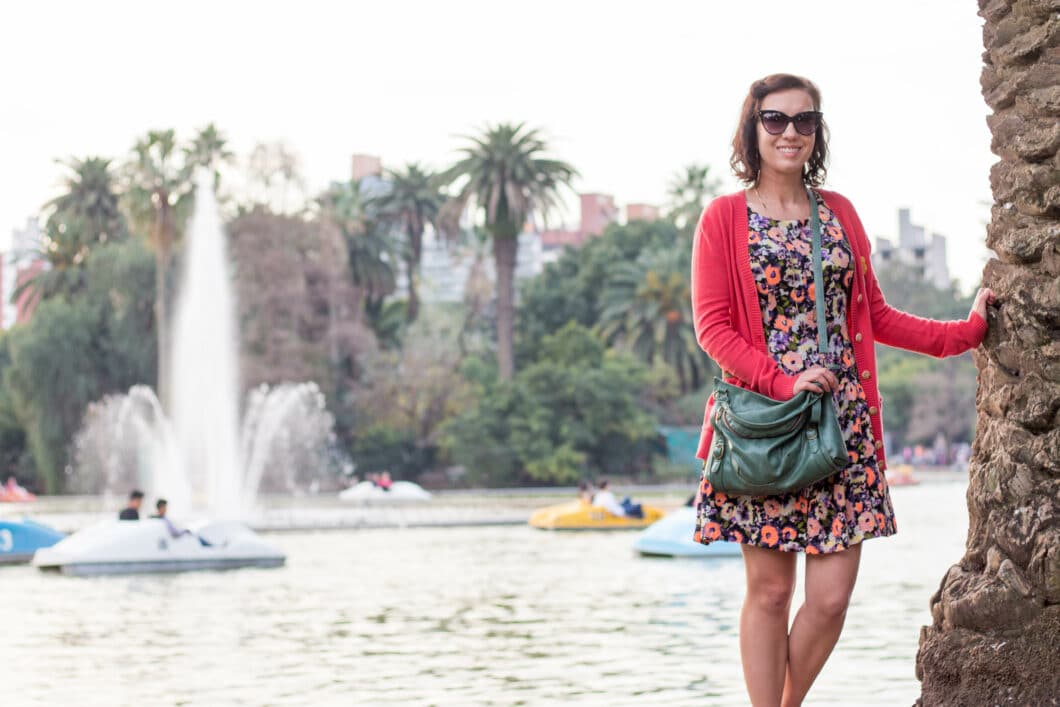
<point>672,537</point>
<point>399,491</point>
<point>126,547</point>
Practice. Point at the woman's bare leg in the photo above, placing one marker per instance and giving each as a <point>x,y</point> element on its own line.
<point>829,583</point>
<point>764,622</point>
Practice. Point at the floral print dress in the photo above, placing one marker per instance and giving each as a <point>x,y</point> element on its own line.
<point>853,504</point>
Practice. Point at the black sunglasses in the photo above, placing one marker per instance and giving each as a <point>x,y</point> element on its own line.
<point>776,122</point>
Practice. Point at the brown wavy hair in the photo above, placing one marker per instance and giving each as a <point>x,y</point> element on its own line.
<point>746,161</point>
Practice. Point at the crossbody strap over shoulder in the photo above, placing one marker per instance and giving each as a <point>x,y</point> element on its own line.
<point>818,277</point>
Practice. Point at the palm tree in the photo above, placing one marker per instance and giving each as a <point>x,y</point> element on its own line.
<point>159,197</point>
<point>209,150</point>
<point>369,247</point>
<point>412,201</point>
<point>689,191</point>
<point>84,216</point>
<point>646,307</point>
<point>273,172</point>
<point>996,614</point>
<point>505,174</point>
<point>159,184</point>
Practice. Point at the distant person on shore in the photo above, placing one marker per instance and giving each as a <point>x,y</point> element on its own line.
<point>161,506</point>
<point>132,509</point>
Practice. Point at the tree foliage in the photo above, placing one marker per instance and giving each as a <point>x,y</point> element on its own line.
<point>575,412</point>
<point>411,202</point>
<point>84,216</point>
<point>924,397</point>
<point>505,174</point>
<point>632,285</point>
<point>299,312</point>
<point>79,350</point>
<point>689,191</point>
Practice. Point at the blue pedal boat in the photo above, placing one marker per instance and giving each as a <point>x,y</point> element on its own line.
<point>20,539</point>
<point>672,537</point>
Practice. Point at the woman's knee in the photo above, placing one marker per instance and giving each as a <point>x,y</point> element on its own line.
<point>830,604</point>
<point>771,595</point>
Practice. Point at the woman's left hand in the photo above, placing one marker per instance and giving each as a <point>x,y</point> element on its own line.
<point>983,297</point>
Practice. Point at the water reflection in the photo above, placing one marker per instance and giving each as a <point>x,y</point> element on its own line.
<point>468,616</point>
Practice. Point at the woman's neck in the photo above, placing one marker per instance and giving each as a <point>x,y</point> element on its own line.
<point>781,191</point>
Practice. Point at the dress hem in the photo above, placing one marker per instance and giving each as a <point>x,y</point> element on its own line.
<point>802,548</point>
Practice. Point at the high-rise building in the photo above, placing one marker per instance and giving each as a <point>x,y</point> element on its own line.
<point>366,166</point>
<point>445,268</point>
<point>27,301</point>
<point>642,212</point>
<point>19,265</point>
<point>598,212</point>
<point>915,251</point>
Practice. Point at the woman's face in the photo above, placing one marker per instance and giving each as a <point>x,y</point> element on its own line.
<point>788,152</point>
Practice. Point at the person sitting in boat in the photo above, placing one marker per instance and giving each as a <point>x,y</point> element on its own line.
<point>384,481</point>
<point>603,498</point>
<point>13,491</point>
<point>161,506</point>
<point>585,492</point>
<point>132,509</point>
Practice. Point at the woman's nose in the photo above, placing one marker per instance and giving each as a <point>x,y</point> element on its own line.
<point>790,127</point>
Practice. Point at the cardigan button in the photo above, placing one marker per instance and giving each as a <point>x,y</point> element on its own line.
<point>865,374</point>
<point>873,410</point>
<point>859,298</point>
<point>857,337</point>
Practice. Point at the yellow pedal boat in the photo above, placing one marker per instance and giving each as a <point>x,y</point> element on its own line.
<point>579,515</point>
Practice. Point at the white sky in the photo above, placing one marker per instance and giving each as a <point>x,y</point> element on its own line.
<point>628,92</point>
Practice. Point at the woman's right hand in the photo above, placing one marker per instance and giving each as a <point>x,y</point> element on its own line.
<point>816,380</point>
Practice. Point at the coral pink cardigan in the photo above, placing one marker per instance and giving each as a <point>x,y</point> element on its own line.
<point>729,325</point>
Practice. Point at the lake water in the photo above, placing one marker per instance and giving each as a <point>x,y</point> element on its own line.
<point>456,616</point>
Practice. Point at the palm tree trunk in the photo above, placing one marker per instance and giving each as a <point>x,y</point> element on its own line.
<point>996,616</point>
<point>504,254</point>
<point>413,265</point>
<point>413,309</point>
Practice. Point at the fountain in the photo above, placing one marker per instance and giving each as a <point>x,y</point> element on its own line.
<point>204,379</point>
<point>200,458</point>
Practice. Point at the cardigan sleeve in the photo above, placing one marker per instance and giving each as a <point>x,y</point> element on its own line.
<point>712,303</point>
<point>899,329</point>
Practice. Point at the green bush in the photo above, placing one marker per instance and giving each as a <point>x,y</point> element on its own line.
<point>72,353</point>
<point>576,412</point>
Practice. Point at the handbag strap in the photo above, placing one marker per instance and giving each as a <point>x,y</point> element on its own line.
<point>818,279</point>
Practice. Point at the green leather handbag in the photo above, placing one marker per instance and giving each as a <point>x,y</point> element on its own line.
<point>764,447</point>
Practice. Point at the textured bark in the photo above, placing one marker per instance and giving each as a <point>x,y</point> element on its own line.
<point>504,253</point>
<point>995,632</point>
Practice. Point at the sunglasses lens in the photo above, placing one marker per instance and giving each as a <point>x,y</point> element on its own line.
<point>774,123</point>
<point>806,123</point>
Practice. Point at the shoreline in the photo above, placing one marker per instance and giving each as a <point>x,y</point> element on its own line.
<point>453,508</point>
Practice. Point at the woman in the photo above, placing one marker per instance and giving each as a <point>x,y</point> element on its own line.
<point>753,301</point>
